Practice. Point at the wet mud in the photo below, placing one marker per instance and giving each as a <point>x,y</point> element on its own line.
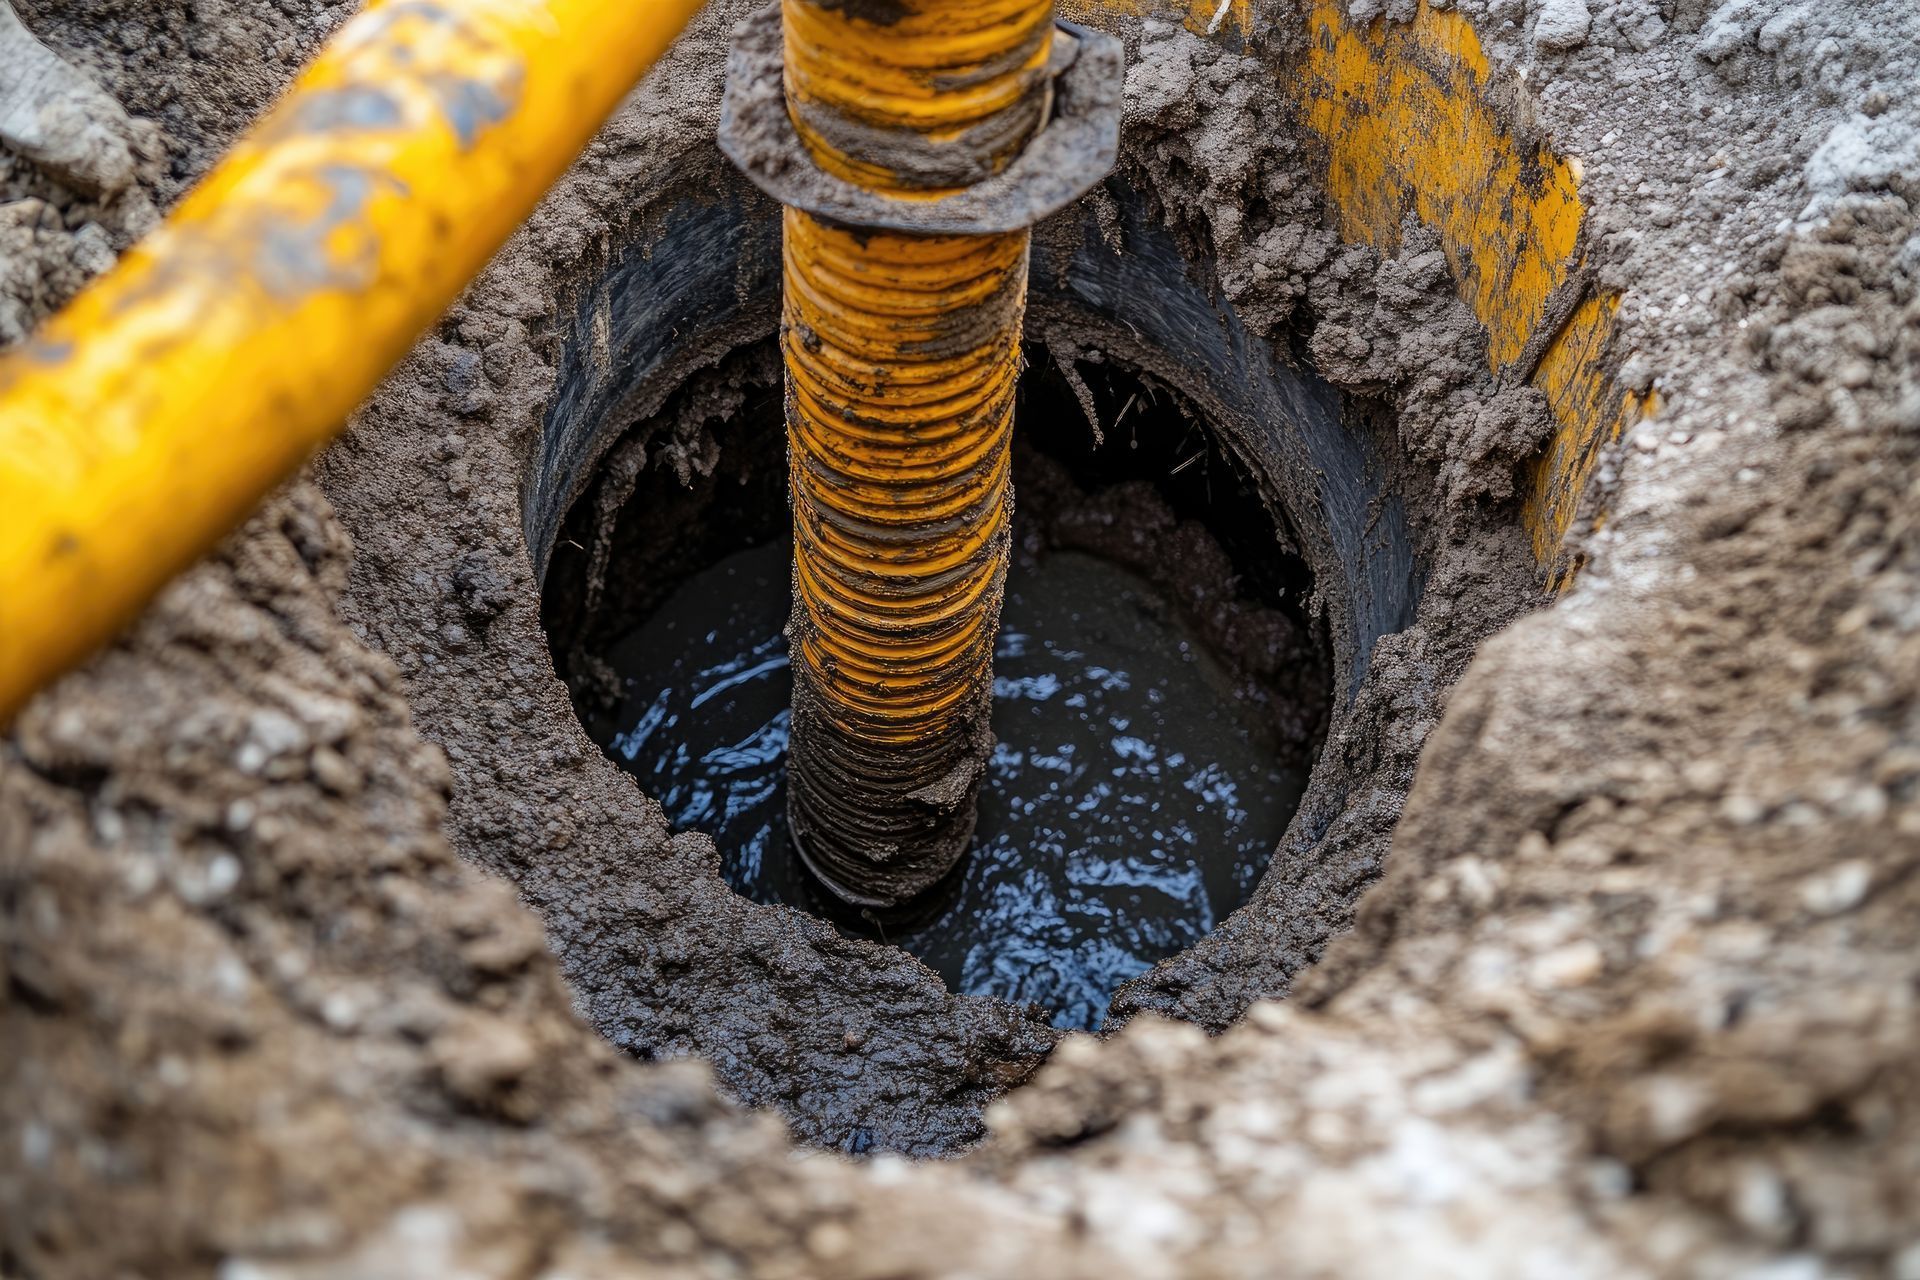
<point>1157,605</point>
<point>1129,804</point>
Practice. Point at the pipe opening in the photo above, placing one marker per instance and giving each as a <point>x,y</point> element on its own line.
<point>1161,686</point>
<point>661,463</point>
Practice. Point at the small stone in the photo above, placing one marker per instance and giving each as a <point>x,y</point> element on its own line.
<point>465,383</point>
<point>482,1057</point>
<point>1476,883</point>
<point>1328,1129</point>
<point>496,361</point>
<point>335,772</point>
<point>231,977</point>
<point>201,883</point>
<point>140,877</point>
<point>1676,1107</point>
<point>1867,804</point>
<point>1641,23</point>
<point>1837,890</point>
<point>1636,375</point>
<point>108,825</point>
<point>1761,1203</point>
<point>482,591</point>
<point>59,118</point>
<point>340,1011</point>
<point>829,1240</point>
<point>1562,25</point>
<point>327,718</point>
<point>92,250</point>
<point>270,734</point>
<point>36,1144</point>
<point>1570,966</point>
<point>1077,1051</point>
<point>1269,1016</point>
<point>506,947</point>
<point>1703,775</point>
<point>223,873</point>
<point>1855,374</point>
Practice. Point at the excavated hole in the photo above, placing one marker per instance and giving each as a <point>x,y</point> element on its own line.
<point>1160,686</point>
<point>1240,504</point>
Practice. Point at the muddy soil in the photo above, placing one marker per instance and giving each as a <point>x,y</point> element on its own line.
<point>1635,997</point>
<point>857,1045</point>
<point>1130,800</point>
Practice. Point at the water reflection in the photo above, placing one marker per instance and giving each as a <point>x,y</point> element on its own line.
<point>1130,802</point>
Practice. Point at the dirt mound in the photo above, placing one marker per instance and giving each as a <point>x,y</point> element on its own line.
<point>1635,996</point>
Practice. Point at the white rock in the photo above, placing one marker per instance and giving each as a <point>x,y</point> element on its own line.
<point>1838,889</point>
<point>1562,24</point>
<point>1760,1201</point>
<point>58,118</point>
<point>1574,965</point>
<point>1861,155</point>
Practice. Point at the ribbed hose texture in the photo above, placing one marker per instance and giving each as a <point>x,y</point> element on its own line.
<point>902,354</point>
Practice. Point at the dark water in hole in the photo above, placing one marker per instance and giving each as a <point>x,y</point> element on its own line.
<point>1130,805</point>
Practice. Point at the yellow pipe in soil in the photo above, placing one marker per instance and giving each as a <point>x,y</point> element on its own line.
<point>148,418</point>
<point>902,354</point>
<point>948,91</point>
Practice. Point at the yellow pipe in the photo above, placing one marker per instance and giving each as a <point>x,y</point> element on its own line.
<point>148,418</point>
<point>957,86</point>
<point>902,354</point>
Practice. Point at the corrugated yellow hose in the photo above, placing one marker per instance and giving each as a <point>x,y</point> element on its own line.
<point>147,419</point>
<point>916,96</point>
<point>902,353</point>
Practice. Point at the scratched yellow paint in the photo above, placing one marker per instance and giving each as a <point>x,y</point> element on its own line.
<point>1196,15</point>
<point>1589,412</point>
<point>1408,125</point>
<point>1405,114</point>
<point>1202,15</point>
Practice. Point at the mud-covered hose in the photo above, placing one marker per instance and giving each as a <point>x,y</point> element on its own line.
<point>916,96</point>
<point>148,418</point>
<point>902,353</point>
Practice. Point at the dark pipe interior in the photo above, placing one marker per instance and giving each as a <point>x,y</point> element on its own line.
<point>1224,426</point>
